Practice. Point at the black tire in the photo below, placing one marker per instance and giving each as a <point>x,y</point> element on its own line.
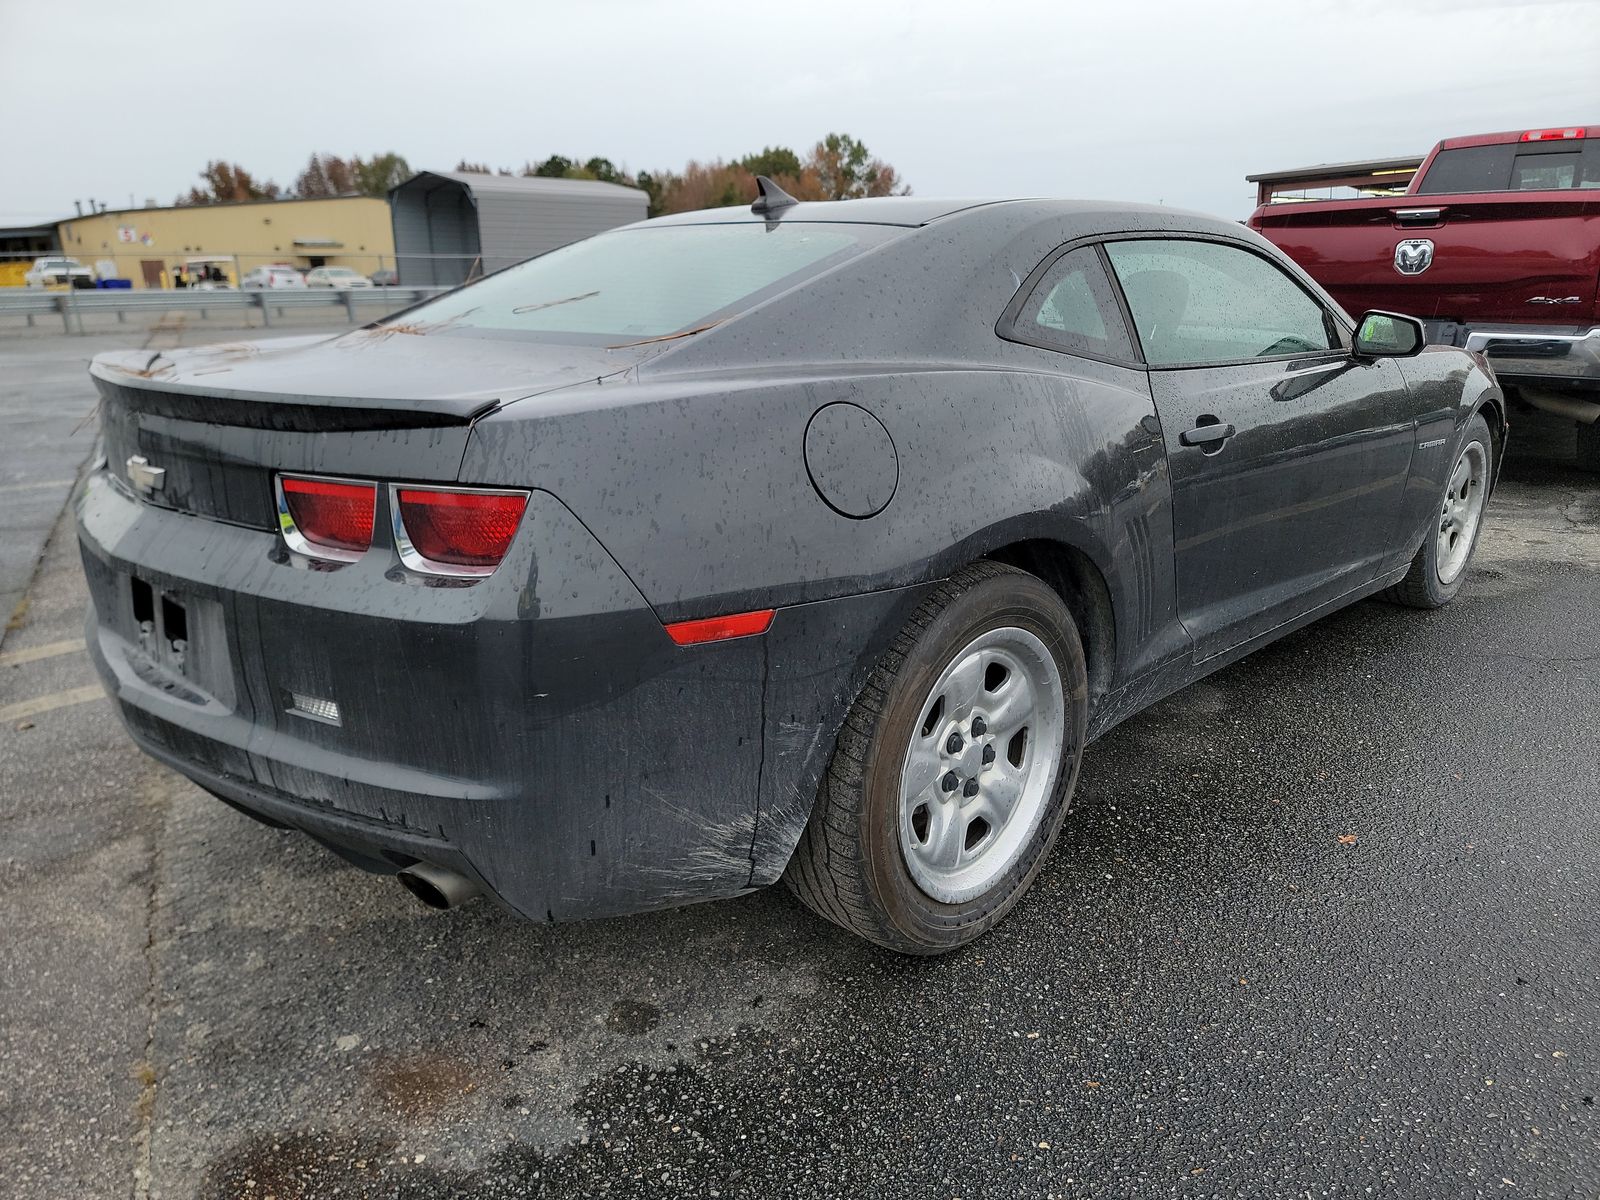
<point>1589,447</point>
<point>849,866</point>
<point>1422,587</point>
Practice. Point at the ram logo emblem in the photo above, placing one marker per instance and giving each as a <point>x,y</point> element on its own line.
<point>1413,256</point>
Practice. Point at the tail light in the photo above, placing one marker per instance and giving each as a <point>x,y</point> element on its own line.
<point>455,532</point>
<point>1553,135</point>
<point>329,518</point>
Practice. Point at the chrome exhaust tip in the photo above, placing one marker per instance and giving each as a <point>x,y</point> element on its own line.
<point>437,887</point>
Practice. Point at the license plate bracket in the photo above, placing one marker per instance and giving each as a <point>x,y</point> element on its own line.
<point>180,638</point>
<point>161,621</point>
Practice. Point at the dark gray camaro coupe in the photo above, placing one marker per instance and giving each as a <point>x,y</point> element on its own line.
<point>808,540</point>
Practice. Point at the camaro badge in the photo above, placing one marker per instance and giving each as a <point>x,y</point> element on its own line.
<point>1413,256</point>
<point>145,477</point>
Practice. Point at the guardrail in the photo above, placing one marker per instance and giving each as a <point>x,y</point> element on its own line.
<point>74,304</point>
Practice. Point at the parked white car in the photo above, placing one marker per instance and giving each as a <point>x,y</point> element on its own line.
<point>336,277</point>
<point>274,276</point>
<point>57,270</point>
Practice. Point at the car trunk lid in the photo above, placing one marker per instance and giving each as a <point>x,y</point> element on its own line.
<point>216,422</point>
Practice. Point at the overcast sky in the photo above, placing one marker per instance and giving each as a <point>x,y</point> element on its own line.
<point>1171,101</point>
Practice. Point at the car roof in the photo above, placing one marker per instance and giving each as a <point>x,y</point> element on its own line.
<point>874,210</point>
<point>915,211</point>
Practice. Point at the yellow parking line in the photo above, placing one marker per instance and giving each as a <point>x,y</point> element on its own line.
<point>28,487</point>
<point>44,704</point>
<point>14,658</point>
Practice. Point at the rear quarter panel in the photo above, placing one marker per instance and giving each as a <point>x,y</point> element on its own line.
<point>701,493</point>
<point>702,490</point>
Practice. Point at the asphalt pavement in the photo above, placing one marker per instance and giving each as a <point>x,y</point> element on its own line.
<point>1322,925</point>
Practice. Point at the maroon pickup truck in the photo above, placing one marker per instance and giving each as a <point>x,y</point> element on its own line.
<point>1495,246</point>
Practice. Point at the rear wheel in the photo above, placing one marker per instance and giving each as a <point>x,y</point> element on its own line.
<point>951,776</point>
<point>1440,565</point>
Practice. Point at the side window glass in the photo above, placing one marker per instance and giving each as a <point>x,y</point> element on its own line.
<point>1205,302</point>
<point>1544,172</point>
<point>1468,169</point>
<point>1073,309</point>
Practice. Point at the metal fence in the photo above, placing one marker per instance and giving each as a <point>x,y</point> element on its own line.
<point>176,268</point>
<point>73,305</point>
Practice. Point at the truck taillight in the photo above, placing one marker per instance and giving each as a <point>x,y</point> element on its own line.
<point>456,532</point>
<point>1553,135</point>
<point>331,514</point>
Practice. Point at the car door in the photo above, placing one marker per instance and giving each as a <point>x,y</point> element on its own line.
<point>1288,456</point>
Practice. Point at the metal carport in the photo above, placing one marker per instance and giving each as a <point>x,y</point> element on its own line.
<point>450,226</point>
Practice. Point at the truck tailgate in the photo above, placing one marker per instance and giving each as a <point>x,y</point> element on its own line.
<point>1527,257</point>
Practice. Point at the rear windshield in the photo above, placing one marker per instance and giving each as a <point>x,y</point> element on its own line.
<point>1517,167</point>
<point>633,284</point>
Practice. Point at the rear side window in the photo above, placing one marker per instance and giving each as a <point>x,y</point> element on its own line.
<point>1469,169</point>
<point>1205,302</point>
<point>1072,308</point>
<point>1514,167</point>
<point>649,282</point>
<point>1545,172</point>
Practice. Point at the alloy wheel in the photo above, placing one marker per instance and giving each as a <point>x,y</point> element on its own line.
<point>1462,510</point>
<point>982,763</point>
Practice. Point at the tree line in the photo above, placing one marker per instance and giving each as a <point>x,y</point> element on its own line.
<point>839,167</point>
<point>224,182</point>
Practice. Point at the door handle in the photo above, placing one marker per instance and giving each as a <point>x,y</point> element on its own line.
<point>1212,433</point>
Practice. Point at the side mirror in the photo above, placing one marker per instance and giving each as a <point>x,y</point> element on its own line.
<point>1388,335</point>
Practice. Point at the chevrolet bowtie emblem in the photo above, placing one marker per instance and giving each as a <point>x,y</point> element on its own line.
<point>145,477</point>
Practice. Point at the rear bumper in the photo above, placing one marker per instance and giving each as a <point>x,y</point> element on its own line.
<point>1561,357</point>
<point>536,730</point>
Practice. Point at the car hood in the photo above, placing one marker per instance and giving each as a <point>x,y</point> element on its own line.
<point>389,365</point>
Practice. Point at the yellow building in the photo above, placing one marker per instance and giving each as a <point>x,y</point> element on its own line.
<point>152,247</point>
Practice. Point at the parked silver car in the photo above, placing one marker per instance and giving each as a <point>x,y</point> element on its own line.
<point>277,275</point>
<point>336,277</point>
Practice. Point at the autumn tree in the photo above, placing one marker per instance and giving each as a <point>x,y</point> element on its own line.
<point>839,167</point>
<point>846,171</point>
<point>324,175</point>
<point>714,184</point>
<point>225,182</point>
